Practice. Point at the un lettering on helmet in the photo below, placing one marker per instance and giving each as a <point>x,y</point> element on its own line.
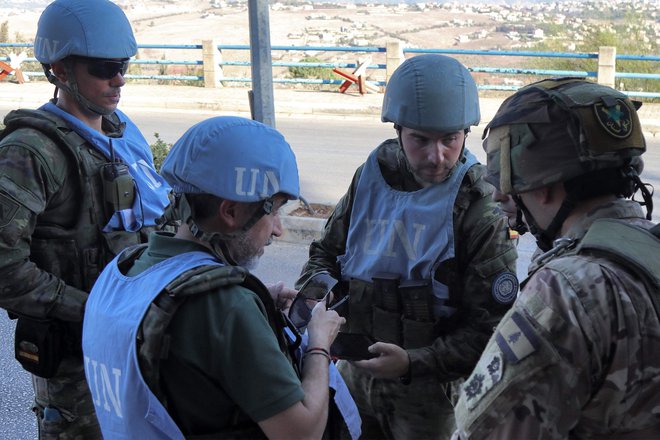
<point>232,158</point>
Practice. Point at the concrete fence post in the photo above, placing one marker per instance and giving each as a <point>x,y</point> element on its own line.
<point>606,65</point>
<point>211,58</point>
<point>393,58</point>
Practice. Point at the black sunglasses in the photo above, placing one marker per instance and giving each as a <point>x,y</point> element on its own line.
<point>103,68</point>
<point>316,289</point>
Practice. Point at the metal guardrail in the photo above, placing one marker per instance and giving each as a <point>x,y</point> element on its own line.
<point>374,66</point>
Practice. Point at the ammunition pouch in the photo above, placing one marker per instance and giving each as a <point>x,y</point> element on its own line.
<point>39,345</point>
<point>392,312</point>
<point>418,321</point>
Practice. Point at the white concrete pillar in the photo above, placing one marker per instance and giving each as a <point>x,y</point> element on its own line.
<point>393,58</point>
<point>606,65</point>
<point>211,57</point>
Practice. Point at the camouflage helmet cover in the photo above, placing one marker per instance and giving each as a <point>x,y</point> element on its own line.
<point>557,129</point>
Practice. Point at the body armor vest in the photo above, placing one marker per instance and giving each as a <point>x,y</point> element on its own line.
<point>636,249</point>
<point>78,253</point>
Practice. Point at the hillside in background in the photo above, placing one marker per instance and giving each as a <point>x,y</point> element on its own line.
<point>567,26</point>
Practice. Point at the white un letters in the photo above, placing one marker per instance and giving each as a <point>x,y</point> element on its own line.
<point>382,236</point>
<point>253,177</point>
<point>104,383</point>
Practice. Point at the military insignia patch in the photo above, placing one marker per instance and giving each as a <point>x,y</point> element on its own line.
<point>505,288</point>
<point>516,338</point>
<point>486,374</point>
<point>8,208</point>
<point>616,119</point>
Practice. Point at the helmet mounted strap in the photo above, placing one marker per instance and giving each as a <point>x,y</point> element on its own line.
<point>72,88</point>
<point>265,209</point>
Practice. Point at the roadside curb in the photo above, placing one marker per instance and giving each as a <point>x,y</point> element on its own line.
<point>294,102</point>
<point>299,229</point>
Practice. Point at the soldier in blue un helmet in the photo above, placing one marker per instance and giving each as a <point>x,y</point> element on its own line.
<point>198,343</point>
<point>78,185</point>
<point>423,253</point>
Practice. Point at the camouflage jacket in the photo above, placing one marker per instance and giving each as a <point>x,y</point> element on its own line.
<point>576,356</point>
<point>51,245</point>
<point>483,251</point>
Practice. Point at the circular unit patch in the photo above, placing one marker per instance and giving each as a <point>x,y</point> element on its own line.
<point>616,120</point>
<point>505,288</point>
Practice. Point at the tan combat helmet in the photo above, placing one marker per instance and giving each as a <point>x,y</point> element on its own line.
<point>567,130</point>
<point>557,129</point>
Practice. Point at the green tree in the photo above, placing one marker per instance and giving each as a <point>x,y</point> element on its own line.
<point>159,150</point>
<point>312,71</point>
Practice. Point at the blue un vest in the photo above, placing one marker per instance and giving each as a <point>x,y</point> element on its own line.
<point>125,406</point>
<point>133,150</point>
<point>408,233</point>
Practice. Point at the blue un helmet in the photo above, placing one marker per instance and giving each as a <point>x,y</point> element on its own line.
<point>235,159</point>
<point>90,29</point>
<point>431,93</point>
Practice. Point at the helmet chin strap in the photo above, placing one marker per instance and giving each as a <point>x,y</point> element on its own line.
<point>217,240</point>
<point>545,237</point>
<point>72,89</point>
<point>519,225</point>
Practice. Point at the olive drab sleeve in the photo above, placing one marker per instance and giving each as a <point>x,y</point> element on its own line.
<point>32,180</point>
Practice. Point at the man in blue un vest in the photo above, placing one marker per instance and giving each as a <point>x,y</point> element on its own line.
<point>179,338</point>
<point>423,253</point>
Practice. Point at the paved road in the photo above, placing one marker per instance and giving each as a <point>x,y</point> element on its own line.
<point>328,151</point>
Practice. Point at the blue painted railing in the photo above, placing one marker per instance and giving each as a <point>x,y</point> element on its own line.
<point>376,66</point>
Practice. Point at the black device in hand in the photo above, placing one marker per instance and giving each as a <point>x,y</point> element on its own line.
<point>352,347</point>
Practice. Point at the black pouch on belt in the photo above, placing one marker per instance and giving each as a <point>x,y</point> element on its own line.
<point>417,298</point>
<point>386,313</point>
<point>38,345</point>
<point>386,293</point>
<point>418,326</point>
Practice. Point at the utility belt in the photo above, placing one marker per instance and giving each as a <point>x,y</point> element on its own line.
<point>41,344</point>
<point>391,311</point>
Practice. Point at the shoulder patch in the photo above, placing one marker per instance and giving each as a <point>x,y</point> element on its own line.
<point>485,375</point>
<point>516,338</point>
<point>505,288</point>
<point>8,208</point>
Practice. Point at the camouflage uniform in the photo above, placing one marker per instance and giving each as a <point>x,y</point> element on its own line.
<point>422,409</point>
<point>576,356</point>
<point>51,254</point>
